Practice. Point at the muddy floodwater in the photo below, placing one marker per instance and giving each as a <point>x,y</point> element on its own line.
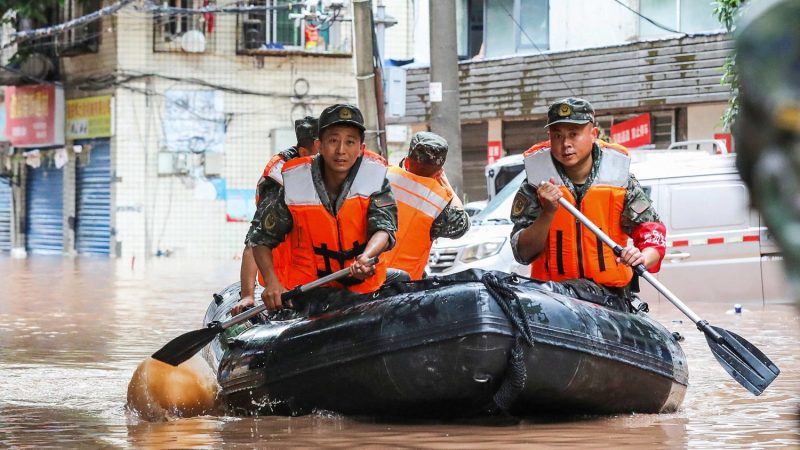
<point>72,331</point>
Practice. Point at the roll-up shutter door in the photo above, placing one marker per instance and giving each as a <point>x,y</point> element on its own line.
<point>473,159</point>
<point>93,209</point>
<point>5,214</point>
<point>520,135</point>
<point>45,210</point>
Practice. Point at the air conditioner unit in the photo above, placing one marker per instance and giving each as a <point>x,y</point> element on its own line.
<point>252,33</point>
<point>173,163</point>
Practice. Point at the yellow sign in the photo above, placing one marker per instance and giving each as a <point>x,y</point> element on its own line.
<point>89,117</point>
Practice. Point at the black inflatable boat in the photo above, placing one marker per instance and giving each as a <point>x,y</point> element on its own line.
<point>467,344</point>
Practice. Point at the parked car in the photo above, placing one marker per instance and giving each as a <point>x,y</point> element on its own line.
<point>473,208</point>
<point>717,248</point>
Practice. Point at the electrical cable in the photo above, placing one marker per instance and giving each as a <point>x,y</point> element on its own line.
<point>656,24</point>
<point>541,53</point>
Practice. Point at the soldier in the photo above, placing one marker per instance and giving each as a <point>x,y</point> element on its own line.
<point>592,175</point>
<point>767,128</point>
<point>336,209</point>
<point>427,207</point>
<point>268,186</point>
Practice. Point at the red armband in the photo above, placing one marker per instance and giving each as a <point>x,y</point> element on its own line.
<point>651,235</point>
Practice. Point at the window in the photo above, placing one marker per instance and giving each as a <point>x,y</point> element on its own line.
<point>688,16</point>
<point>181,31</point>
<point>469,23</point>
<point>82,39</point>
<point>278,29</point>
<point>516,26</point>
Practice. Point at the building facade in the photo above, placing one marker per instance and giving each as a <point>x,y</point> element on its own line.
<point>518,56</point>
<point>195,105</point>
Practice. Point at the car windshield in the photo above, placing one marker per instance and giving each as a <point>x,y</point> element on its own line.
<point>498,209</point>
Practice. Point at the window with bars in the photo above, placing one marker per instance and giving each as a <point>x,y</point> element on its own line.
<point>81,39</point>
<point>279,28</point>
<point>182,31</point>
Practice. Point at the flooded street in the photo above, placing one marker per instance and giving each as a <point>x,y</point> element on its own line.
<point>72,331</point>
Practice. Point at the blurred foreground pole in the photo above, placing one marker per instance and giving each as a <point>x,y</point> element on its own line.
<point>365,71</point>
<point>445,115</point>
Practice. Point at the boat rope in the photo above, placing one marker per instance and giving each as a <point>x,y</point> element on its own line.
<point>516,375</point>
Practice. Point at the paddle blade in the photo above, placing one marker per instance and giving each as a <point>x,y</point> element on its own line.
<point>186,345</point>
<point>743,361</point>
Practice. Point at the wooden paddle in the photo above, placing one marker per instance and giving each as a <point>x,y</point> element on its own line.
<point>186,345</point>
<point>741,359</point>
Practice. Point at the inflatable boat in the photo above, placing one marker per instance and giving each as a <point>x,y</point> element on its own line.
<point>467,344</point>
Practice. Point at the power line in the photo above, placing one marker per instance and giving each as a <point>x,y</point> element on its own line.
<point>656,24</point>
<point>541,53</point>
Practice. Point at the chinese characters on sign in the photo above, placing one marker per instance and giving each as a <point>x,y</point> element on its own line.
<point>494,151</point>
<point>633,133</point>
<point>34,115</point>
<point>89,117</point>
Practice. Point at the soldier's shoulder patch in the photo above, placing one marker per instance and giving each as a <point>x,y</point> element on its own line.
<point>639,205</point>
<point>520,203</point>
<point>383,200</point>
<point>269,221</point>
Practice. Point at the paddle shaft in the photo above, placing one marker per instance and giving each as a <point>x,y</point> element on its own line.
<point>288,295</point>
<point>641,270</point>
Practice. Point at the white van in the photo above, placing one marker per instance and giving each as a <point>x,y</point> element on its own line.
<point>717,248</point>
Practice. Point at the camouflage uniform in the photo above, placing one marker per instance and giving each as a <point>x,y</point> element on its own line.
<point>276,220</point>
<point>767,128</point>
<point>430,148</point>
<point>267,188</point>
<point>638,208</point>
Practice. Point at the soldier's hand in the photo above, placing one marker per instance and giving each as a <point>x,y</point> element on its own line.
<point>631,256</point>
<point>242,305</point>
<point>549,194</point>
<point>361,268</point>
<point>271,295</point>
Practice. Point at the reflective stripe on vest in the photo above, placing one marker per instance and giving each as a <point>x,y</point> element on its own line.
<point>572,251</point>
<point>274,168</point>
<point>321,243</point>
<point>420,200</point>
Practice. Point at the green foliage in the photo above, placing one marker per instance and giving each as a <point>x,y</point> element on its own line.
<point>31,9</point>
<point>726,12</point>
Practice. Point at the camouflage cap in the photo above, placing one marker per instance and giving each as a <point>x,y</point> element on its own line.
<point>428,148</point>
<point>570,110</point>
<point>306,128</point>
<point>341,114</point>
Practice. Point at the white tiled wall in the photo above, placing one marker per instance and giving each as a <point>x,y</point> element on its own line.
<point>162,212</point>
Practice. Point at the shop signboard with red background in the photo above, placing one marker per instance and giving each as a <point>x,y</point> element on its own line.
<point>634,132</point>
<point>494,151</point>
<point>34,115</point>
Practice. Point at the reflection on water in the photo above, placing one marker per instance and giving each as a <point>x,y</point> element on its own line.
<point>73,331</point>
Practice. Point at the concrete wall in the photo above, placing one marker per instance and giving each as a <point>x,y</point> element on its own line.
<point>168,213</point>
<point>704,120</point>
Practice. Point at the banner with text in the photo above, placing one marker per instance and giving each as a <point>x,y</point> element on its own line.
<point>34,115</point>
<point>633,133</point>
<point>89,117</point>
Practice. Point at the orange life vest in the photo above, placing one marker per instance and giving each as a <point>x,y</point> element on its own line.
<point>420,200</point>
<point>280,254</point>
<point>572,251</point>
<point>322,243</point>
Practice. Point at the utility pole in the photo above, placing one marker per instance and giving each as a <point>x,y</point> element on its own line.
<point>445,115</point>
<point>365,72</point>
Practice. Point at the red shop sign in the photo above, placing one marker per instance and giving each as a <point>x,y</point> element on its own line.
<point>34,115</point>
<point>633,133</point>
<point>494,151</point>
